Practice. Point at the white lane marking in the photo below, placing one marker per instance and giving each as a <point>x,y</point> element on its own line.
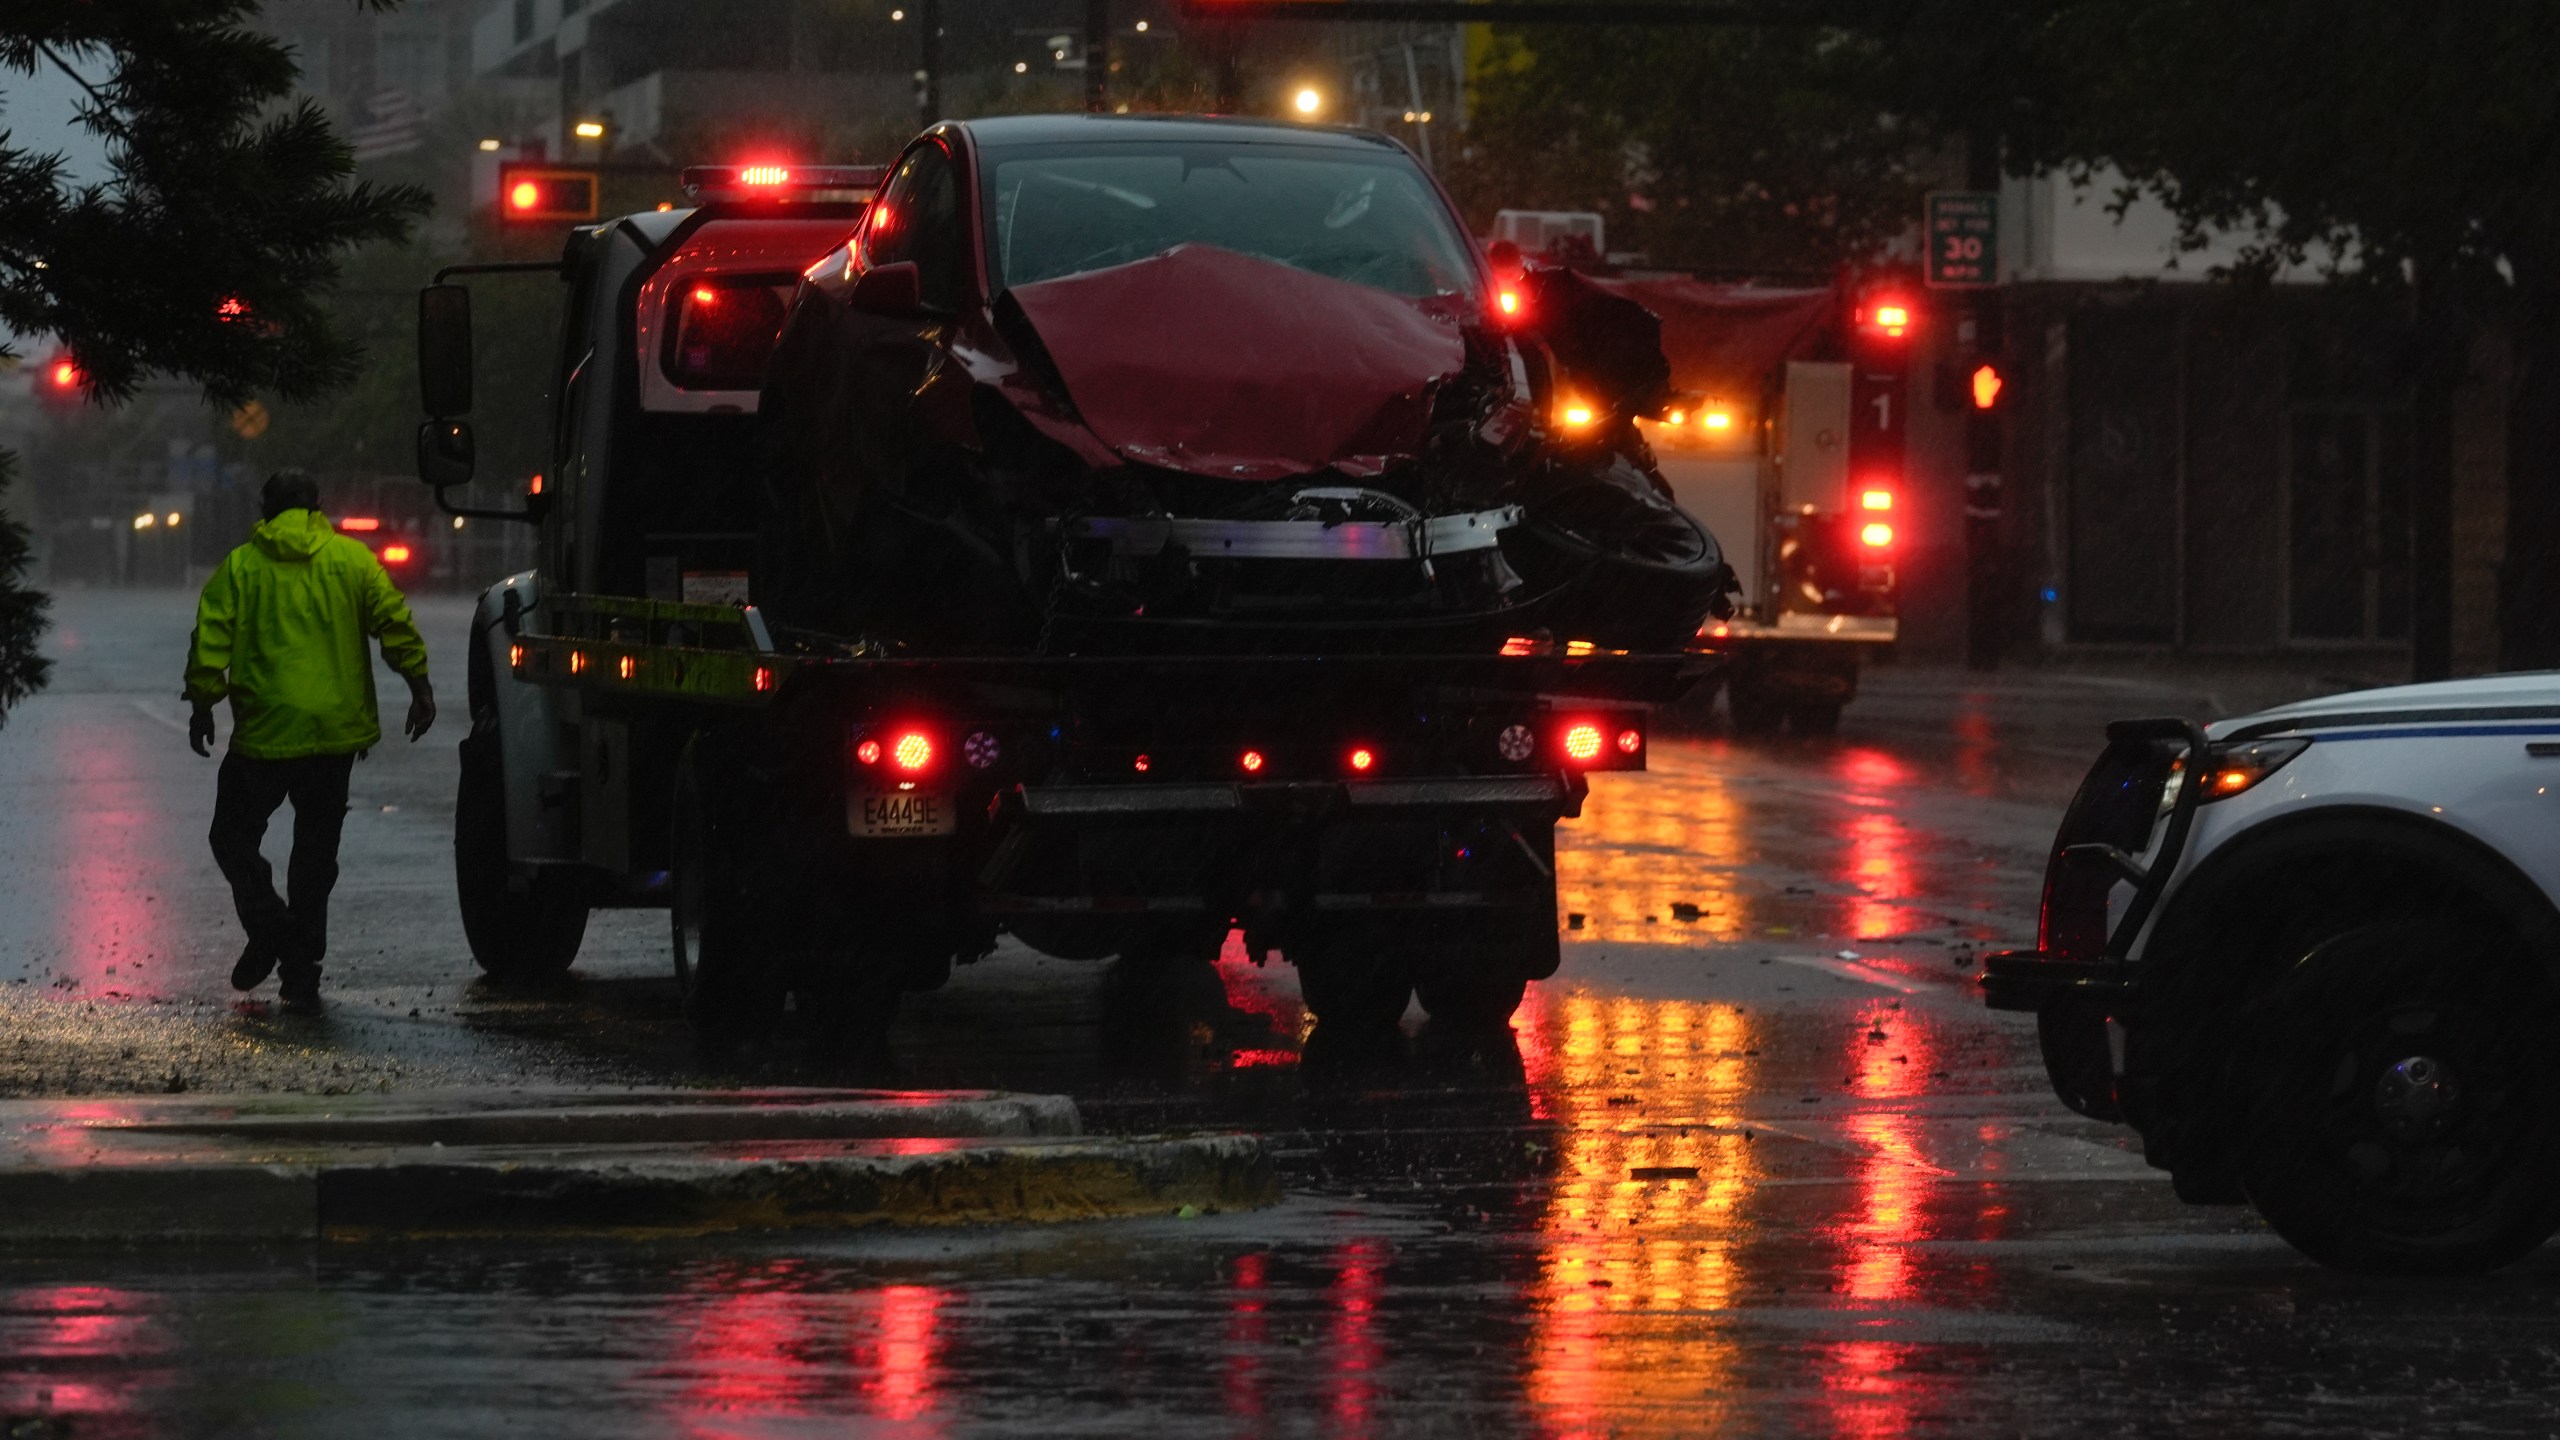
<point>171,721</point>
<point>1852,970</point>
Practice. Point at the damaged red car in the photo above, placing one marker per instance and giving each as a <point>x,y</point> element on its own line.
<point>1125,385</point>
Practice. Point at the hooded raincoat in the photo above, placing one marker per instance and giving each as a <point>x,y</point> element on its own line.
<point>282,633</point>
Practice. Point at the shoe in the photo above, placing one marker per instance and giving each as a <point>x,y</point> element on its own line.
<point>256,963</point>
<point>301,991</point>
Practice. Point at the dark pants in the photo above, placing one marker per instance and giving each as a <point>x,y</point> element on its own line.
<point>296,932</point>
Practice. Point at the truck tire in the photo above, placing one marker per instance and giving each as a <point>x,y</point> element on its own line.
<point>1815,717</point>
<point>515,935</point>
<point>1353,987</point>
<point>1458,996</point>
<point>722,970</point>
<point>2400,1108</point>
<point>1754,710</point>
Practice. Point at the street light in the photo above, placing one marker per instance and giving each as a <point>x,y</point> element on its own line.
<point>1308,100</point>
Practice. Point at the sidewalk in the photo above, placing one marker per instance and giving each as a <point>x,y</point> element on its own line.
<point>587,1162</point>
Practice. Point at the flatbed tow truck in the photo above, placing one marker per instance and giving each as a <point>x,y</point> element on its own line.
<point>837,818</point>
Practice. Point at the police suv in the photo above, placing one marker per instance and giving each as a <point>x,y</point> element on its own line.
<point>2312,955</point>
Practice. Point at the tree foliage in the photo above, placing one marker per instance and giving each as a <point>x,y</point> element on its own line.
<point>1757,148</point>
<point>208,250</point>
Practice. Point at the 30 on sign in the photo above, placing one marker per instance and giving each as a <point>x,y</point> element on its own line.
<point>1964,239</point>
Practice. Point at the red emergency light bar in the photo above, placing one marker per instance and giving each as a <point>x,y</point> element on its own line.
<point>807,183</point>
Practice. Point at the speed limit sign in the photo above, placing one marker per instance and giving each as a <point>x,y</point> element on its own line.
<point>1963,235</point>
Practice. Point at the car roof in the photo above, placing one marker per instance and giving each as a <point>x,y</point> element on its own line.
<point>1006,131</point>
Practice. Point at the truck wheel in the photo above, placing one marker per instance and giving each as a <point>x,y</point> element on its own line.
<point>2400,1113</point>
<point>1471,998</point>
<point>1754,711</point>
<point>728,991</point>
<point>515,935</point>
<point>1354,987</point>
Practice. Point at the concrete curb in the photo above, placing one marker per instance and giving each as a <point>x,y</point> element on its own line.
<point>586,1163</point>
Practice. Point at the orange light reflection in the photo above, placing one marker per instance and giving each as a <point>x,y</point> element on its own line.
<point>1644,842</point>
<point>1621,1253</point>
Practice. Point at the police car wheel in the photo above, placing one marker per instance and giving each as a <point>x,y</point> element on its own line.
<point>2400,1115</point>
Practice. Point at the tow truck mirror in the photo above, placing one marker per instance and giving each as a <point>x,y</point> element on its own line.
<point>891,289</point>
<point>444,351</point>
<point>447,453</point>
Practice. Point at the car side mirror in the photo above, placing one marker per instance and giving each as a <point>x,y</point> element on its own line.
<point>447,453</point>
<point>444,352</point>
<point>891,289</point>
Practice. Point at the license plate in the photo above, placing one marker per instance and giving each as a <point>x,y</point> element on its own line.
<point>898,814</point>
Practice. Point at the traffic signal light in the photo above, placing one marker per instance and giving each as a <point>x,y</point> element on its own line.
<point>531,194</point>
<point>58,381</point>
<point>1985,384</point>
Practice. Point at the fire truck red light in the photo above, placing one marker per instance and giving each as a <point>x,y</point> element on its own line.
<point>360,524</point>
<point>1252,762</point>
<point>1363,759</point>
<point>765,175</point>
<point>913,752</point>
<point>1876,500</point>
<point>395,554</point>
<point>1507,301</point>
<point>868,752</point>
<point>525,195</point>
<point>1582,742</point>
<point>705,295</point>
<point>1630,741</point>
<point>1878,536</point>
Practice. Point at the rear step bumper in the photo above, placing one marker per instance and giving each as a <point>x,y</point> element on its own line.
<point>1305,798</point>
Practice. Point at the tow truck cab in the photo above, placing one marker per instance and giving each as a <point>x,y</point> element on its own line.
<point>838,818</point>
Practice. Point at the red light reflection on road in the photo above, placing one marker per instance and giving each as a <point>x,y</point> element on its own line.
<point>905,1325</point>
<point>79,1350</point>
<point>1352,1385</point>
<point>119,858</point>
<point>1242,1381</point>
<point>1868,1397</point>
<point>767,1346</point>
<point>1255,990</point>
<point>1875,862</point>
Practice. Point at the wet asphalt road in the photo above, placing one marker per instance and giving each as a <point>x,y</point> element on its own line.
<point>1758,1161</point>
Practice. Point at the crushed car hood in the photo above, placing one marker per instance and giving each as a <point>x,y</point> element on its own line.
<point>1214,363</point>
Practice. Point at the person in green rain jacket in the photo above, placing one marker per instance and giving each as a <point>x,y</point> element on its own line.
<point>282,632</point>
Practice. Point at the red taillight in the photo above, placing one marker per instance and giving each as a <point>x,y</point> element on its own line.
<point>515,657</point>
<point>535,488</point>
<point>359,524</point>
<point>395,554</point>
<point>1876,536</point>
<point>577,662</point>
<point>764,680</point>
<point>1582,742</point>
<point>1142,764</point>
<point>868,752</point>
<point>1893,318</point>
<point>525,195</point>
<point>705,295</point>
<point>1876,500</point>
<point>1252,762</point>
<point>627,667</point>
<point>1363,759</point>
<point>913,752</point>
<point>1630,741</point>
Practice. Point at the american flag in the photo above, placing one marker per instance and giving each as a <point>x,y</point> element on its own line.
<point>398,126</point>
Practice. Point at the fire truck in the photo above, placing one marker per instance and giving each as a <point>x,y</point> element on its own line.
<point>898,590</point>
<point>1792,451</point>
